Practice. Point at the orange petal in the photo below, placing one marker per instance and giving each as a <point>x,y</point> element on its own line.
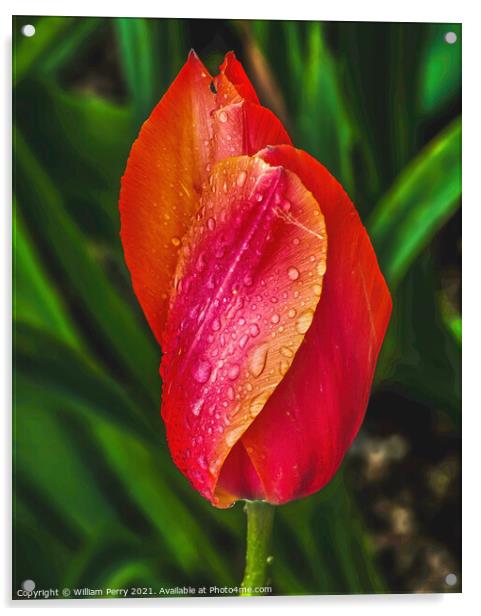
<point>246,287</point>
<point>162,184</point>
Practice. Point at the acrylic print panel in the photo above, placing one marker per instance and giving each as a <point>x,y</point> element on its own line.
<point>274,220</point>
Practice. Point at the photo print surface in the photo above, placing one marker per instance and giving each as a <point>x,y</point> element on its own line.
<point>237,315</point>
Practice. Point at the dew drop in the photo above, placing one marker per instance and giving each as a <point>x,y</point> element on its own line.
<point>254,330</point>
<point>202,371</point>
<point>233,372</point>
<point>317,290</point>
<point>223,117</point>
<point>211,224</point>
<point>202,462</point>
<point>292,313</point>
<point>283,367</point>
<point>286,351</point>
<point>321,268</point>
<point>248,280</point>
<point>231,393</point>
<point>293,273</point>
<point>197,407</point>
<point>215,325</point>
<point>243,340</point>
<point>257,360</point>
<point>257,403</point>
<point>304,321</point>
<point>241,178</point>
<point>200,265</point>
<point>234,435</point>
<point>286,206</point>
<point>175,241</point>
<point>275,318</point>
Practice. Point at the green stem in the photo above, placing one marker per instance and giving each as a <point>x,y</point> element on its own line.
<point>260,516</point>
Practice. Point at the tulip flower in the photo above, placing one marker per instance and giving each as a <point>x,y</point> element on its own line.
<point>261,285</point>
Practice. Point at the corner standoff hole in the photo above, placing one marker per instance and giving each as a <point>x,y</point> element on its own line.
<point>451,579</point>
<point>450,38</point>
<point>28,30</point>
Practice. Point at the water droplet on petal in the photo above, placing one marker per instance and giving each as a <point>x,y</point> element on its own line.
<point>231,393</point>
<point>257,360</point>
<point>197,407</point>
<point>202,462</point>
<point>175,241</point>
<point>275,318</point>
<point>293,273</point>
<point>223,117</point>
<point>202,371</point>
<point>304,321</point>
<point>233,372</point>
<point>286,351</point>
<point>317,290</point>
<point>215,325</point>
<point>283,367</point>
<point>254,330</point>
<point>291,313</point>
<point>241,178</point>
<point>257,403</point>
<point>211,224</point>
<point>321,268</point>
<point>234,435</point>
<point>243,340</point>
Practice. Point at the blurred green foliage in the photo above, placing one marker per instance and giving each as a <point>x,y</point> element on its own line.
<point>98,501</point>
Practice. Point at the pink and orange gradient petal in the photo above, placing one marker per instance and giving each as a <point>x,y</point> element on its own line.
<point>168,166</point>
<point>247,285</point>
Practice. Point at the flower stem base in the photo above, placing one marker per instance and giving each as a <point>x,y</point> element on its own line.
<point>260,516</point>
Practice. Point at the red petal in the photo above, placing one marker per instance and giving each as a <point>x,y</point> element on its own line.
<point>298,441</point>
<point>232,70</point>
<point>247,284</point>
<point>245,128</point>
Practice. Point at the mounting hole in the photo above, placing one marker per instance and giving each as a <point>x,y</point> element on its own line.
<point>28,30</point>
<point>28,585</point>
<point>450,38</point>
<point>451,579</point>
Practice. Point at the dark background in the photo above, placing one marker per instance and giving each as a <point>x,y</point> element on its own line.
<point>98,501</point>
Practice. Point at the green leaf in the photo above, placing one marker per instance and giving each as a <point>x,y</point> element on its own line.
<point>424,196</point>
<point>440,72</point>
<point>35,299</point>
<point>68,47</point>
<point>325,127</point>
<point>62,242</point>
<point>29,51</point>
<point>49,363</point>
<point>137,55</point>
